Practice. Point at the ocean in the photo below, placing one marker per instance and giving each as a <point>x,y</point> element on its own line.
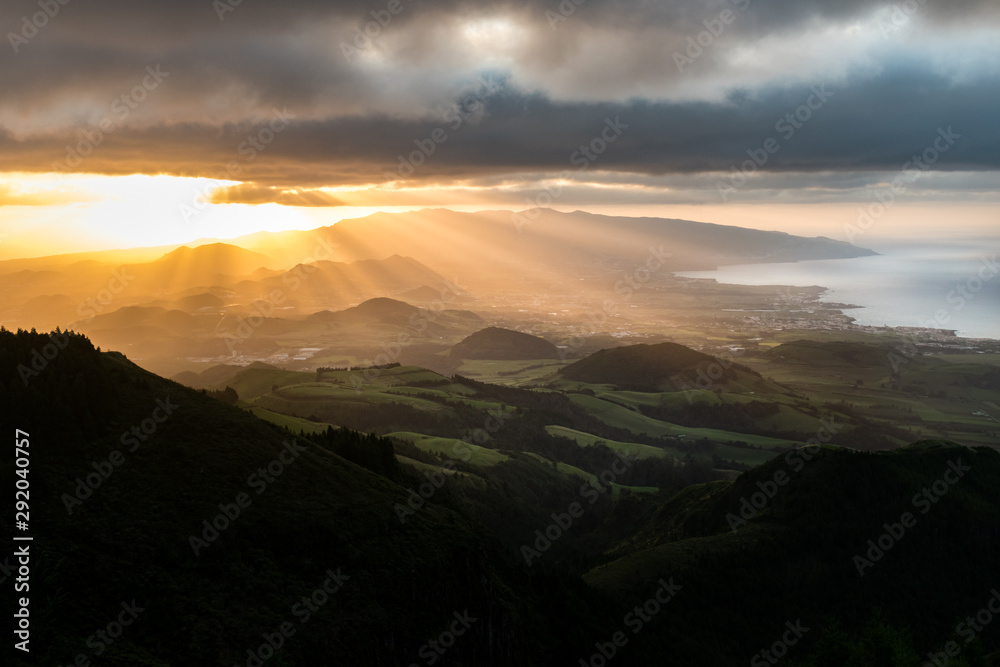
<point>943,286</point>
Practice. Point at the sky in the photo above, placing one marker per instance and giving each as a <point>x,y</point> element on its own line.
<point>134,122</point>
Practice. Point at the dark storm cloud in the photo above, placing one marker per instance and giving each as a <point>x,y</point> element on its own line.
<point>230,70</point>
<point>290,51</point>
<point>254,194</point>
<point>138,21</point>
<point>875,123</point>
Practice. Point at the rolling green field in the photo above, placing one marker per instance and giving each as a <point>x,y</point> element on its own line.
<point>369,395</point>
<point>616,415</point>
<point>925,396</point>
<point>447,391</point>
<point>294,424</point>
<point>452,448</point>
<point>989,359</point>
<point>423,467</point>
<point>616,489</point>
<point>807,383</point>
<point>631,448</point>
<point>255,382</point>
<point>511,373</point>
<point>383,377</point>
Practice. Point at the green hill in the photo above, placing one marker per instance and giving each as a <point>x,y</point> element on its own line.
<point>504,345</point>
<point>216,523</point>
<point>829,539</point>
<point>659,367</point>
<point>836,354</point>
<point>216,375</point>
<point>207,602</point>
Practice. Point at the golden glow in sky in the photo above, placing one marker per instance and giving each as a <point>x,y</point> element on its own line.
<point>49,214</point>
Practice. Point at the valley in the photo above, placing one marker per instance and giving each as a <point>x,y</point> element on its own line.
<point>540,446</point>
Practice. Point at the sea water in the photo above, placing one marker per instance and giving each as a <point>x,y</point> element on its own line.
<point>945,286</point>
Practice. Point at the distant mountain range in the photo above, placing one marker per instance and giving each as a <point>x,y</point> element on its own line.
<point>189,302</point>
<point>206,279</point>
<point>388,254</point>
<point>544,245</point>
<point>210,264</point>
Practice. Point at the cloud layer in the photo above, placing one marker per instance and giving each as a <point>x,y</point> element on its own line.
<point>447,92</point>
